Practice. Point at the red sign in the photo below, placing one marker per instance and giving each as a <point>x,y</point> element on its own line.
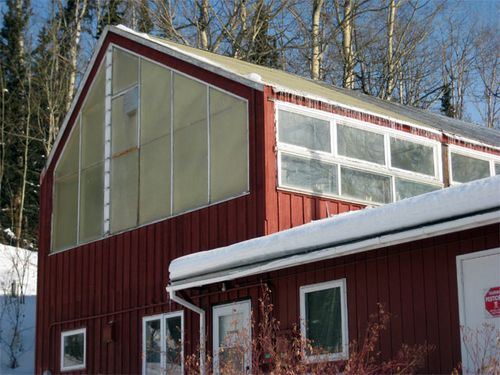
<point>492,301</point>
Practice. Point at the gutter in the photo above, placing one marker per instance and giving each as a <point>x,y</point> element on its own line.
<point>201,313</point>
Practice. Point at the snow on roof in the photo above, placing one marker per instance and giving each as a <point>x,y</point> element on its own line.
<point>467,200</point>
<point>15,264</point>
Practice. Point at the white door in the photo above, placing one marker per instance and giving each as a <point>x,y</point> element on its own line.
<point>479,303</point>
<point>232,337</point>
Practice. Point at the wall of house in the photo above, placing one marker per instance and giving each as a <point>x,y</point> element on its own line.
<point>416,282</point>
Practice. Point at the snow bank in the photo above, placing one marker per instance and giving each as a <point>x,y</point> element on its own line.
<point>437,206</point>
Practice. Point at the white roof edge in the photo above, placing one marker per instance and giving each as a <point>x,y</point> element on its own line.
<point>445,205</point>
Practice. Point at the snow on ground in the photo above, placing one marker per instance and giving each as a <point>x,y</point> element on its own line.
<point>19,265</point>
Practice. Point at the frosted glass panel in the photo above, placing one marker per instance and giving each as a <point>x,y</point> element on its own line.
<point>366,186</point>
<point>324,320</point>
<point>93,122</point>
<point>304,131</point>
<point>125,70</point>
<point>497,169</point>
<point>68,161</point>
<point>360,144</point>
<point>155,180</point>
<point>228,146</point>
<point>124,122</point>
<point>465,168</point>
<point>65,212</point>
<point>124,191</point>
<point>153,347</point>
<point>412,156</point>
<point>190,144</point>
<point>155,101</point>
<point>406,188</point>
<point>91,202</point>
<point>309,174</point>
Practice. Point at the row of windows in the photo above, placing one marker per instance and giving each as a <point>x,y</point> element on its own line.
<point>150,144</point>
<point>331,156</point>
<point>323,316</point>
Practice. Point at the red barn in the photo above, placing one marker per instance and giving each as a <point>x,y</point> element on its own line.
<point>169,151</point>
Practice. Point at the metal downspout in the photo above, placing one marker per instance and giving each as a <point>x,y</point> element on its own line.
<point>201,313</point>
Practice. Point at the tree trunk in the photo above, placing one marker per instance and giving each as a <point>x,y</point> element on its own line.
<point>203,24</point>
<point>391,61</point>
<point>347,30</point>
<point>315,40</point>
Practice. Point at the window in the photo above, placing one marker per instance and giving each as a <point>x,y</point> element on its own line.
<point>232,338</point>
<point>73,349</point>
<point>466,168</point>
<point>163,344</point>
<point>323,316</point>
<point>331,155</point>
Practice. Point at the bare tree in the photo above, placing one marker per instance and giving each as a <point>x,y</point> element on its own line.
<point>315,40</point>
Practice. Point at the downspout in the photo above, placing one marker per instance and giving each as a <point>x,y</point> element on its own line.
<point>201,313</point>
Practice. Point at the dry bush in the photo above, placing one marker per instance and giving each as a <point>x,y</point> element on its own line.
<point>277,354</point>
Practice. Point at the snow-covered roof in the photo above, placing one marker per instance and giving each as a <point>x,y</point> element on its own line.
<point>444,211</point>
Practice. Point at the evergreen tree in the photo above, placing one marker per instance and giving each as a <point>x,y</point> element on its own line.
<point>447,107</point>
<point>112,15</point>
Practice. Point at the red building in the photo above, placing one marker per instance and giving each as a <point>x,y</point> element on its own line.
<point>169,151</point>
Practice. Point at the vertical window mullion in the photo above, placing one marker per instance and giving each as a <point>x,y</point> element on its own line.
<point>79,179</point>
<point>209,179</point>
<point>107,141</point>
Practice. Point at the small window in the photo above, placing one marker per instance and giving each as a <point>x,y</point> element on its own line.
<point>323,315</point>
<point>497,169</point>
<point>73,349</point>
<point>232,338</point>
<point>407,188</point>
<point>163,344</point>
<point>304,131</point>
<point>371,187</point>
<point>360,144</point>
<point>412,156</point>
<point>466,168</point>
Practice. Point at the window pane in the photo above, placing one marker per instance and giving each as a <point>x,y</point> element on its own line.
<point>412,156</point>
<point>74,347</point>
<point>155,180</point>
<point>466,168</point>
<point>155,101</point>
<point>124,122</point>
<point>65,212</point>
<point>190,144</point>
<point>173,337</point>
<point>407,188</point>
<point>366,186</point>
<point>228,146</point>
<point>91,202</point>
<point>312,175</point>
<point>125,70</point>
<point>124,191</point>
<point>324,320</point>
<point>497,169</point>
<point>360,144</point>
<point>231,342</point>
<point>153,347</point>
<point>304,131</point>
<point>93,122</point>
<point>68,161</point>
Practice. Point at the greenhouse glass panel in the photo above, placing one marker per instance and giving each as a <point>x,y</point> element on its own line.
<point>124,122</point>
<point>65,214</point>
<point>466,168</point>
<point>497,169</point>
<point>91,203</point>
<point>190,142</point>
<point>124,191</point>
<point>228,146</point>
<point>366,186</point>
<point>308,174</point>
<point>304,131</point>
<point>125,70</point>
<point>155,180</point>
<point>412,156</point>
<point>407,188</point>
<point>360,144</point>
<point>155,101</point>
<point>68,161</point>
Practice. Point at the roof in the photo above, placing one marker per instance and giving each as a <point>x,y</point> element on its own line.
<point>444,211</point>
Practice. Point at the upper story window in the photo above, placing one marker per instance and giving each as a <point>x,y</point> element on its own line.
<point>334,156</point>
<point>468,165</point>
<point>149,143</point>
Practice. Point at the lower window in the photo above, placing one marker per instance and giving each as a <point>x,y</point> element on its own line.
<point>163,344</point>
<point>323,315</point>
<point>232,338</point>
<point>73,349</point>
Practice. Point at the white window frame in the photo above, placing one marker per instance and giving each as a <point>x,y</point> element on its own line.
<point>492,159</point>
<point>333,157</point>
<point>341,283</point>
<point>73,333</point>
<point>229,309</point>
<point>162,318</point>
